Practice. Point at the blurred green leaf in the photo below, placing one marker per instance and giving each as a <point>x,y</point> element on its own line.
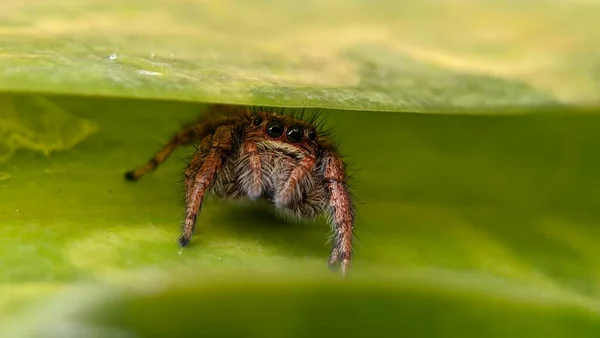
<point>297,306</point>
<point>352,54</point>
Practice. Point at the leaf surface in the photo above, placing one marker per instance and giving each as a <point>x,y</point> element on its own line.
<point>424,56</point>
<point>494,215</point>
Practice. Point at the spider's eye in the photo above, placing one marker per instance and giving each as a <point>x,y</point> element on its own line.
<point>258,120</point>
<point>312,134</point>
<point>294,134</point>
<point>275,128</point>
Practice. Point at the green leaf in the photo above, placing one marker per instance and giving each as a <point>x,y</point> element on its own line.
<point>476,212</point>
<point>472,224</point>
<point>362,55</point>
<point>34,123</point>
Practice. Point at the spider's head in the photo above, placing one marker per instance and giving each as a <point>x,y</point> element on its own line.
<point>283,133</point>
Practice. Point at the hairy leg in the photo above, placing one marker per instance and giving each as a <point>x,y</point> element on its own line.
<point>341,211</point>
<point>206,125</point>
<point>198,184</point>
<point>196,163</point>
<point>291,191</point>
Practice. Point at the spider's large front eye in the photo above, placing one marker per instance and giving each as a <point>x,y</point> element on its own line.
<point>294,134</point>
<point>275,128</point>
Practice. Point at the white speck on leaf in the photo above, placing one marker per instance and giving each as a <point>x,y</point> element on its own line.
<point>148,72</point>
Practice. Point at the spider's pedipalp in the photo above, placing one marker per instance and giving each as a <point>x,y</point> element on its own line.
<point>291,190</point>
<point>250,171</point>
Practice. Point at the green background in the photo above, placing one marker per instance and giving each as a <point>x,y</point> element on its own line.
<point>473,220</point>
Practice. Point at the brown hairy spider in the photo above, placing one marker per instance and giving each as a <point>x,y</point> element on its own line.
<point>260,153</point>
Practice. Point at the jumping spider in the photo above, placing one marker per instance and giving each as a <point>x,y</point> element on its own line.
<point>254,153</point>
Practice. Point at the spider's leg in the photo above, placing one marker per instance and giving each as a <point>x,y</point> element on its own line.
<point>290,192</point>
<point>341,210</point>
<point>198,184</point>
<point>196,163</point>
<point>188,135</point>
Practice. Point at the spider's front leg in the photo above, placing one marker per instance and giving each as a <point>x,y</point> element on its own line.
<point>341,210</point>
<point>198,180</point>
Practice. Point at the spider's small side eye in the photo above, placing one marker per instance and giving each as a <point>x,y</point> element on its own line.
<point>258,120</point>
<point>312,135</point>
<point>275,128</point>
<point>295,134</point>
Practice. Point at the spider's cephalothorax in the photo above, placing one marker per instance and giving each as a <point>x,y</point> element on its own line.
<point>254,153</point>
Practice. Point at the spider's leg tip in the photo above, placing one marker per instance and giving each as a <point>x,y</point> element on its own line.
<point>333,266</point>
<point>183,241</point>
<point>130,176</point>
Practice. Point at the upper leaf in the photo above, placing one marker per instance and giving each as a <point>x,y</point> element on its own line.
<point>352,54</point>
